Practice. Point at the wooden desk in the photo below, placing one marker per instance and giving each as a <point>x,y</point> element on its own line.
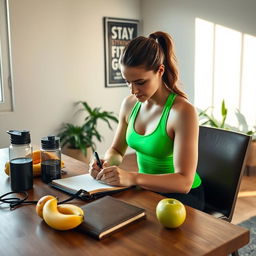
<point>24,233</point>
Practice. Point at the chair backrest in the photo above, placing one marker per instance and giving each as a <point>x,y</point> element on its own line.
<point>221,162</point>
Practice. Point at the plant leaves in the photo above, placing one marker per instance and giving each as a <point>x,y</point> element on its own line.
<point>83,136</point>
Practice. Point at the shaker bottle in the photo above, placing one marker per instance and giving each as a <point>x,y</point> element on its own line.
<point>50,158</point>
<point>20,157</point>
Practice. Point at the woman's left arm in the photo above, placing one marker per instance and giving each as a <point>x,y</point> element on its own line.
<point>184,125</point>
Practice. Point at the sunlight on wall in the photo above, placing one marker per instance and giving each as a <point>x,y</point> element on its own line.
<point>1,89</point>
<point>225,68</point>
<point>1,98</point>
<point>249,79</point>
<point>204,63</point>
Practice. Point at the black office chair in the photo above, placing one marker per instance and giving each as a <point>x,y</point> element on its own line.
<point>221,163</point>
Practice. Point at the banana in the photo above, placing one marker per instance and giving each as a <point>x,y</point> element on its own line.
<point>7,168</point>
<point>58,220</point>
<point>70,209</point>
<point>36,168</point>
<point>40,204</point>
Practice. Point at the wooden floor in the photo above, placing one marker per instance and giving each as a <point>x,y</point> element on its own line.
<point>246,202</point>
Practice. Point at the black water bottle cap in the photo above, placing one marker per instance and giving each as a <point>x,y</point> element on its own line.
<point>19,137</point>
<point>50,142</point>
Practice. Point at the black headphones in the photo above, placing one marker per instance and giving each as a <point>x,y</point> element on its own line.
<point>23,196</point>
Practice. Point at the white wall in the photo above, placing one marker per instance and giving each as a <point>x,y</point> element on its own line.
<point>178,18</point>
<point>58,55</point>
<point>58,59</point>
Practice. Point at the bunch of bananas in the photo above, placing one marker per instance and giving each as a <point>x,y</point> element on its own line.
<point>59,217</point>
<point>36,157</point>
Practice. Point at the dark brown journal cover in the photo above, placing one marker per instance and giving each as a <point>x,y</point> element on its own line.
<point>107,215</point>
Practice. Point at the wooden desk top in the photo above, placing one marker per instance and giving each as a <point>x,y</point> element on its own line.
<point>24,233</point>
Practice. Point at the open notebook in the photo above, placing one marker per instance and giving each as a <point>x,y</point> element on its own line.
<point>93,188</point>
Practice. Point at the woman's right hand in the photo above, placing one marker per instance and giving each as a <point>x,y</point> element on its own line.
<point>94,169</point>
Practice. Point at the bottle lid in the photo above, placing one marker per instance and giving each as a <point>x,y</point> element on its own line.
<point>19,136</point>
<point>50,142</point>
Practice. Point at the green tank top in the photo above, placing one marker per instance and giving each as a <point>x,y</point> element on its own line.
<point>155,150</point>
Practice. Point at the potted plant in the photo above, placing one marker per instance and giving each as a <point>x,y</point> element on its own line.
<point>206,118</point>
<point>78,141</point>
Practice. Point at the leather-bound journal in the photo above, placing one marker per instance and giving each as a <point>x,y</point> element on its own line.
<point>107,215</point>
<point>92,188</point>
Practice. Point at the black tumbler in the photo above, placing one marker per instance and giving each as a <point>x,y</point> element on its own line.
<point>50,158</point>
<point>20,157</point>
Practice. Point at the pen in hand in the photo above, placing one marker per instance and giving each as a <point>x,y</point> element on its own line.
<point>99,163</point>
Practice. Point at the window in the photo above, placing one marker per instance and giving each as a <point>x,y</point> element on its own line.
<point>225,68</point>
<point>5,63</point>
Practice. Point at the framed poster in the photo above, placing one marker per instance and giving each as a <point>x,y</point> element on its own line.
<point>117,34</point>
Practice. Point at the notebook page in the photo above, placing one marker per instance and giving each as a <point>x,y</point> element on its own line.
<point>84,181</point>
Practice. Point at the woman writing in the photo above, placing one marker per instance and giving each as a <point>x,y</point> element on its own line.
<point>158,122</point>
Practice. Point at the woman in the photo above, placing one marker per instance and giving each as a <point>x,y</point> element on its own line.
<point>158,122</point>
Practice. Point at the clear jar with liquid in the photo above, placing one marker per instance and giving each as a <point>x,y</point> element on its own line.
<point>20,157</point>
<point>50,158</point>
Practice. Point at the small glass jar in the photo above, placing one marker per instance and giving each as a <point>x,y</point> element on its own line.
<point>20,158</point>
<point>50,158</point>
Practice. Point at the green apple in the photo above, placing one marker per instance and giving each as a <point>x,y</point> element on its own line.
<point>171,213</point>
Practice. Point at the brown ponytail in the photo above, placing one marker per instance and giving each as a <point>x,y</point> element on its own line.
<point>151,52</point>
